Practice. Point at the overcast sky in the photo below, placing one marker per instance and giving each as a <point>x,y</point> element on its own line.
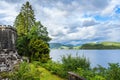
<point>71,21</point>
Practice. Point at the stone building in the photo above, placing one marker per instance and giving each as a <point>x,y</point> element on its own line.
<point>8,53</point>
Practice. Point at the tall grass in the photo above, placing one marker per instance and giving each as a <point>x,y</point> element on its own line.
<point>72,63</point>
<point>25,72</point>
<point>68,63</point>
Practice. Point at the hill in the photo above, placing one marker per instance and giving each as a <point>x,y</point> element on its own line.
<point>102,45</point>
<point>99,45</point>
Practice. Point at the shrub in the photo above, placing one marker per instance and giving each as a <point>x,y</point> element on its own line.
<point>113,72</point>
<point>89,74</point>
<point>26,72</point>
<point>72,63</point>
<point>69,63</point>
<point>39,50</point>
<point>81,66</point>
<point>4,75</point>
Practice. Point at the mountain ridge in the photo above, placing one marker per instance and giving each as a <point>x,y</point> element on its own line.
<point>92,45</point>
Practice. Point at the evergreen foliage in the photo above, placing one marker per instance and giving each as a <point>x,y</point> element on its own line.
<point>39,50</point>
<point>25,19</point>
<point>32,35</point>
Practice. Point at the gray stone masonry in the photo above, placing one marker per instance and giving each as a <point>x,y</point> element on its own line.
<point>8,53</point>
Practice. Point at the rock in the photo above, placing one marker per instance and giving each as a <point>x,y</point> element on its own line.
<point>8,61</point>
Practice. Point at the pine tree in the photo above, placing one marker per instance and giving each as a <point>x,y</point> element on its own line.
<point>42,32</point>
<point>29,30</point>
<point>19,25</point>
<point>25,19</point>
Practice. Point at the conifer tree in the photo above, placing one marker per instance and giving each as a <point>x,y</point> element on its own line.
<point>29,30</point>
<point>25,19</point>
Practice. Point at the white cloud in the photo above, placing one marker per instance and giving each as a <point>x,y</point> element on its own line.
<point>114,34</point>
<point>66,21</point>
<point>9,11</point>
<point>110,8</point>
<point>83,33</point>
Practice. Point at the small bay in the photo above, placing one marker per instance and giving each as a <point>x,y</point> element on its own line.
<point>96,57</point>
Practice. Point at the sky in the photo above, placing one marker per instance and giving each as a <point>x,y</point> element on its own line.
<point>71,21</point>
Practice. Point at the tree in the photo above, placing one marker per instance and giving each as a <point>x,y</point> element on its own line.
<point>25,19</point>
<point>42,32</point>
<point>19,25</point>
<point>30,30</point>
<point>39,50</point>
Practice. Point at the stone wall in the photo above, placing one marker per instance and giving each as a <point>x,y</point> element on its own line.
<point>8,53</point>
<point>8,58</point>
<point>8,37</point>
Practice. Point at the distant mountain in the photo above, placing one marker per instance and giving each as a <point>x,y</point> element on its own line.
<point>55,45</point>
<point>60,46</point>
<point>98,45</point>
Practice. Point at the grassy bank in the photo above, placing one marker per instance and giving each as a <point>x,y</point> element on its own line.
<point>30,71</point>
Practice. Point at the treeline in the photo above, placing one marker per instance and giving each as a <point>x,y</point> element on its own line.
<point>99,46</point>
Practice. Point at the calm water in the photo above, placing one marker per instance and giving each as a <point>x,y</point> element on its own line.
<point>101,57</point>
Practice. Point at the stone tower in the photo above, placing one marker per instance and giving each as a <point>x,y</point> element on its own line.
<point>8,37</point>
<point>8,54</point>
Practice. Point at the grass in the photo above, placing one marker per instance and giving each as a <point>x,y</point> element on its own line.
<point>46,75</point>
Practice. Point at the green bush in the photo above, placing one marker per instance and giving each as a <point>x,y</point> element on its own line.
<point>101,73</point>
<point>39,50</point>
<point>89,74</point>
<point>4,75</point>
<point>72,63</point>
<point>25,72</point>
<point>81,66</point>
<point>113,72</point>
<point>69,63</point>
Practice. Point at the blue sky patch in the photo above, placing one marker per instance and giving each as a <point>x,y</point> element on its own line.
<point>102,18</point>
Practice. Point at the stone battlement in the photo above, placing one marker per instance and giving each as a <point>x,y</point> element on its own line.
<point>7,27</point>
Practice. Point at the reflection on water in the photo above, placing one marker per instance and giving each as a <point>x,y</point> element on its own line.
<point>101,57</point>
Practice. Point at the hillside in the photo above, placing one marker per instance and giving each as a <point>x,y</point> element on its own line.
<point>102,45</point>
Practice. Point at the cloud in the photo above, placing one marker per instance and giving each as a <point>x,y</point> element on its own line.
<point>89,22</point>
<point>71,21</point>
<point>8,12</point>
<point>109,10</point>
